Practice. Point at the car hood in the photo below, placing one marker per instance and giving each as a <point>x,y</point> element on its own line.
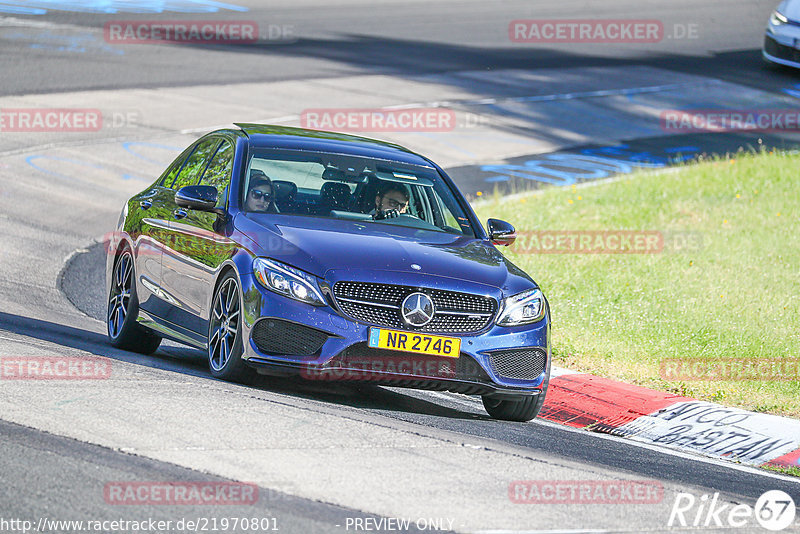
<point>325,247</point>
<point>790,9</point>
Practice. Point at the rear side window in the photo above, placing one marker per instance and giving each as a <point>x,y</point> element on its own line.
<point>194,166</point>
<point>169,176</point>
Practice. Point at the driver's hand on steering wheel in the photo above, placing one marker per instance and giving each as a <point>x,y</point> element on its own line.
<point>386,214</point>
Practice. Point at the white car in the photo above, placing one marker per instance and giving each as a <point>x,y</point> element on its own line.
<point>782,39</point>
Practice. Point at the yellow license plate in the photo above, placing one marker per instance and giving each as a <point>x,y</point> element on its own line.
<point>381,338</point>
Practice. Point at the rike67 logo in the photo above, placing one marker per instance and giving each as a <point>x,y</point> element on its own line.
<point>774,510</point>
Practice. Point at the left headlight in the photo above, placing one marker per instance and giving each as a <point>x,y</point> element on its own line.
<point>288,281</point>
<point>777,19</point>
<point>522,308</point>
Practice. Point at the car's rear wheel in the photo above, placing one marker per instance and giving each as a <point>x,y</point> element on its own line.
<point>123,308</point>
<point>521,409</point>
<point>225,332</point>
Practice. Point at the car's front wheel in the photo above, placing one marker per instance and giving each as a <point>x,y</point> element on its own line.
<point>123,308</point>
<point>225,332</point>
<point>521,409</point>
<point>524,409</point>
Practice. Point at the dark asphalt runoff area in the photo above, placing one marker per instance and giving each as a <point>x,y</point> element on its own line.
<point>61,481</point>
<point>316,40</point>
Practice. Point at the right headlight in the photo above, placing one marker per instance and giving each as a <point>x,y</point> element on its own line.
<point>523,308</point>
<point>288,281</point>
<point>777,19</point>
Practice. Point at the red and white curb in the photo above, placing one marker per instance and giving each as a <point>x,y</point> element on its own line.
<point>602,405</point>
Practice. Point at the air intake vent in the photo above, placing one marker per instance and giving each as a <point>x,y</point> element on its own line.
<point>521,364</point>
<point>275,336</point>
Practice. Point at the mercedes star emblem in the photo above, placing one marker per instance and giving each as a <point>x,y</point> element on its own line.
<point>417,309</point>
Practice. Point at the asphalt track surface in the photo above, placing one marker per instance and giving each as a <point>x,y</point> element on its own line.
<point>330,452</point>
<point>326,40</point>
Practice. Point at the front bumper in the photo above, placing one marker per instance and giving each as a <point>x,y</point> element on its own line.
<point>284,336</point>
<point>780,49</point>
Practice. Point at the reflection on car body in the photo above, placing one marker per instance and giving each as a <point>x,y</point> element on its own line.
<point>367,265</point>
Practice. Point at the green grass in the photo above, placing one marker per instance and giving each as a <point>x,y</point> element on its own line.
<point>791,471</point>
<point>737,296</point>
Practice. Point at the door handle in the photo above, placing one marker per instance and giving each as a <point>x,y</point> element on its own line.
<point>179,213</point>
<point>145,204</point>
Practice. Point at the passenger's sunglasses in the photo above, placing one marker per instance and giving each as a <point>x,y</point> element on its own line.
<point>257,194</point>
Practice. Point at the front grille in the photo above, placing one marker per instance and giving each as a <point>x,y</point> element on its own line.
<point>276,336</point>
<point>372,363</point>
<point>379,304</point>
<point>522,364</point>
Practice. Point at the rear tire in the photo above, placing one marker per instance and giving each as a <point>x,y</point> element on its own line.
<point>522,409</point>
<point>123,308</point>
<point>225,346</point>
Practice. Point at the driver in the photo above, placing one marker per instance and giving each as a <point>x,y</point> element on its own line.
<point>391,201</point>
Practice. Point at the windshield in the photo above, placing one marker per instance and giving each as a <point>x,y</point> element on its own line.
<point>339,186</point>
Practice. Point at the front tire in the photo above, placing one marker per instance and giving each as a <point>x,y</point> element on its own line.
<point>225,332</point>
<point>123,308</point>
<point>522,409</point>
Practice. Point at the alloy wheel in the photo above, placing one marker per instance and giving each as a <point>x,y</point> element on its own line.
<point>120,294</point>
<point>224,324</point>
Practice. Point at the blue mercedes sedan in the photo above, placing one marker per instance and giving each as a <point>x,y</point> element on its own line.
<point>286,251</point>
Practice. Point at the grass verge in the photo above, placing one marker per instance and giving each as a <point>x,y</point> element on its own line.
<point>723,291</point>
<point>791,471</point>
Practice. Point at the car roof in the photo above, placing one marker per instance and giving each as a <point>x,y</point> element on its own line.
<point>287,137</point>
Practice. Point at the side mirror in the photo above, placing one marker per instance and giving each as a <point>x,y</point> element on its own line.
<point>501,232</point>
<point>198,197</point>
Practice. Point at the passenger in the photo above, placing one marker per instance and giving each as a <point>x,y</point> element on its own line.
<point>391,201</point>
<point>259,193</point>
